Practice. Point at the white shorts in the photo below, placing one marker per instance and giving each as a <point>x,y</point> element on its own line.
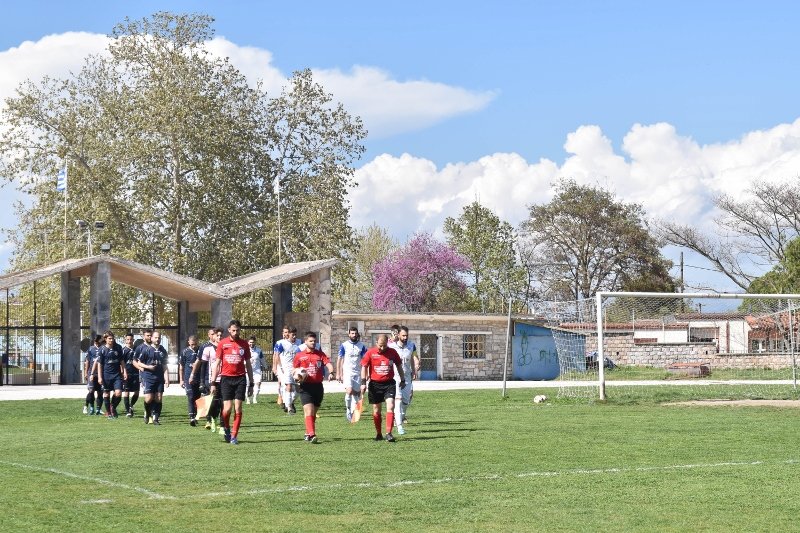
<point>353,381</point>
<point>287,378</point>
<point>406,393</point>
<point>256,377</point>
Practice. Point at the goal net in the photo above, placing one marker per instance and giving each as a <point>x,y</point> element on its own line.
<point>726,345</point>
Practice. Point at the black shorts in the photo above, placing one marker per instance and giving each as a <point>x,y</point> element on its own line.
<point>132,383</point>
<point>311,393</point>
<point>233,388</point>
<point>380,391</point>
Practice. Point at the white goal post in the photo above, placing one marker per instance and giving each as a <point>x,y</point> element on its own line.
<point>724,342</point>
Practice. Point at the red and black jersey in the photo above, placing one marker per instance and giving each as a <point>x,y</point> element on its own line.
<point>233,352</point>
<point>313,361</point>
<point>381,364</point>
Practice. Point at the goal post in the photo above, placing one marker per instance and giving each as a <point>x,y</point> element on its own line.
<point>725,344</point>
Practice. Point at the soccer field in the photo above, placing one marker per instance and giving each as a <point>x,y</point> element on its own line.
<point>471,461</point>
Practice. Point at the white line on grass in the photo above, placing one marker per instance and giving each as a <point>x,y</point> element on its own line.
<point>487,477</point>
<point>149,493</point>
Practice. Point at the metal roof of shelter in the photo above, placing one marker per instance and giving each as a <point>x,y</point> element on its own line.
<point>170,285</point>
<point>295,272</point>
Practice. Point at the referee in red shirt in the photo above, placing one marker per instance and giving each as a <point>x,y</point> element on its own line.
<point>311,390</point>
<point>233,362</point>
<point>379,363</point>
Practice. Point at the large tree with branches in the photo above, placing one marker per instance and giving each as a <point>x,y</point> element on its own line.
<point>180,156</point>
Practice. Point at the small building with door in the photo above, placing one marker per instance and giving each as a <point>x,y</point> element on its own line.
<point>462,346</point>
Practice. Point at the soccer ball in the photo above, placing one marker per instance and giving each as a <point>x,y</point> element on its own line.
<point>300,374</point>
<point>539,398</point>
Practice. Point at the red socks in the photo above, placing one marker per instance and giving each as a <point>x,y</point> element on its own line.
<point>237,421</point>
<point>389,421</point>
<point>376,419</point>
<point>310,425</point>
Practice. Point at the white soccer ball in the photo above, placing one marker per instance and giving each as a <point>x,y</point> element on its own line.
<point>539,398</point>
<point>300,374</point>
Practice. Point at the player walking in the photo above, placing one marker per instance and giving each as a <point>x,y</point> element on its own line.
<point>92,382</point>
<point>131,384</point>
<point>189,356</point>
<point>233,365</point>
<point>348,370</point>
<point>257,362</point>
<point>286,349</point>
<point>111,373</point>
<point>155,377</point>
<point>311,389</point>
<point>208,358</point>
<point>407,351</point>
<point>378,363</point>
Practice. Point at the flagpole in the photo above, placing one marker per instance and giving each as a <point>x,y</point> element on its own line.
<point>66,193</point>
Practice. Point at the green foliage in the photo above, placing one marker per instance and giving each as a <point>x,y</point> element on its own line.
<point>479,463</point>
<point>372,245</point>
<point>488,243</point>
<point>585,240</point>
<point>178,154</point>
<point>784,278</point>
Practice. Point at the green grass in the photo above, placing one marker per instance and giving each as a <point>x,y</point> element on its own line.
<point>471,461</point>
<point>629,373</point>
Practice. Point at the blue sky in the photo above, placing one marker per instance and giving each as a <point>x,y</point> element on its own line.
<point>605,92</point>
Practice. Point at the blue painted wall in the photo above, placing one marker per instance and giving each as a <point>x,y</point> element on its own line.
<point>533,352</point>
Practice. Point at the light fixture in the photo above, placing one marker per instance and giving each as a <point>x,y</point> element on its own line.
<point>82,224</point>
<point>99,224</point>
<point>105,248</point>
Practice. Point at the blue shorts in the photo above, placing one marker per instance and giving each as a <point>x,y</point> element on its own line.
<point>112,382</point>
<point>153,387</point>
<point>132,383</point>
<point>92,384</point>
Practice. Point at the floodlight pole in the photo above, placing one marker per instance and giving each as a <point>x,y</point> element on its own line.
<point>601,356</point>
<point>508,341</point>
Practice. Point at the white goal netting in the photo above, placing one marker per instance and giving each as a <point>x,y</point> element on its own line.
<point>727,345</point>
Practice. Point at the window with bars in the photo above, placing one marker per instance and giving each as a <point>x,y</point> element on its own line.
<point>474,346</point>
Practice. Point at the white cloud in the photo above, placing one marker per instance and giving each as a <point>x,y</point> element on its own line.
<point>389,106</point>
<point>671,175</point>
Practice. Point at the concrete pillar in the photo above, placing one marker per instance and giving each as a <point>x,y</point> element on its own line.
<point>100,298</point>
<point>221,313</point>
<point>281,304</point>
<point>70,329</point>
<point>320,307</point>
<point>187,324</point>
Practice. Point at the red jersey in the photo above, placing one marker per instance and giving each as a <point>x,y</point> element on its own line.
<point>233,354</point>
<point>313,362</point>
<point>381,365</point>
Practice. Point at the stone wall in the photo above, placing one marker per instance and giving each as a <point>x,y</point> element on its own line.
<point>623,351</point>
<point>450,328</point>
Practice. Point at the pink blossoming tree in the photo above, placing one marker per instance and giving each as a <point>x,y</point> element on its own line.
<point>420,276</point>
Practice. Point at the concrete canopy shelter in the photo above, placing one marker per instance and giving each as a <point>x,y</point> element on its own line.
<point>192,295</point>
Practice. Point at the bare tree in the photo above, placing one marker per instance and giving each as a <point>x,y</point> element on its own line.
<point>751,235</point>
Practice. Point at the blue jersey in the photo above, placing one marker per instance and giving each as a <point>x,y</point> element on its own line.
<point>91,356</point>
<point>110,360</point>
<point>187,359</point>
<point>127,354</point>
<point>153,355</point>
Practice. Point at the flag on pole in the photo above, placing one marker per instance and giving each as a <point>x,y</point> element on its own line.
<point>61,182</point>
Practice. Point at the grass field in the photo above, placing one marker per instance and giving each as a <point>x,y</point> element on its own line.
<point>471,461</point>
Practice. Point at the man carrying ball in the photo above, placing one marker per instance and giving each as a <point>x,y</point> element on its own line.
<point>311,389</point>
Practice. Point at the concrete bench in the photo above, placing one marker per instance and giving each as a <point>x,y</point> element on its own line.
<point>693,370</point>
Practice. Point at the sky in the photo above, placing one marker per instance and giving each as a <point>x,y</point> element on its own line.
<point>665,103</point>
